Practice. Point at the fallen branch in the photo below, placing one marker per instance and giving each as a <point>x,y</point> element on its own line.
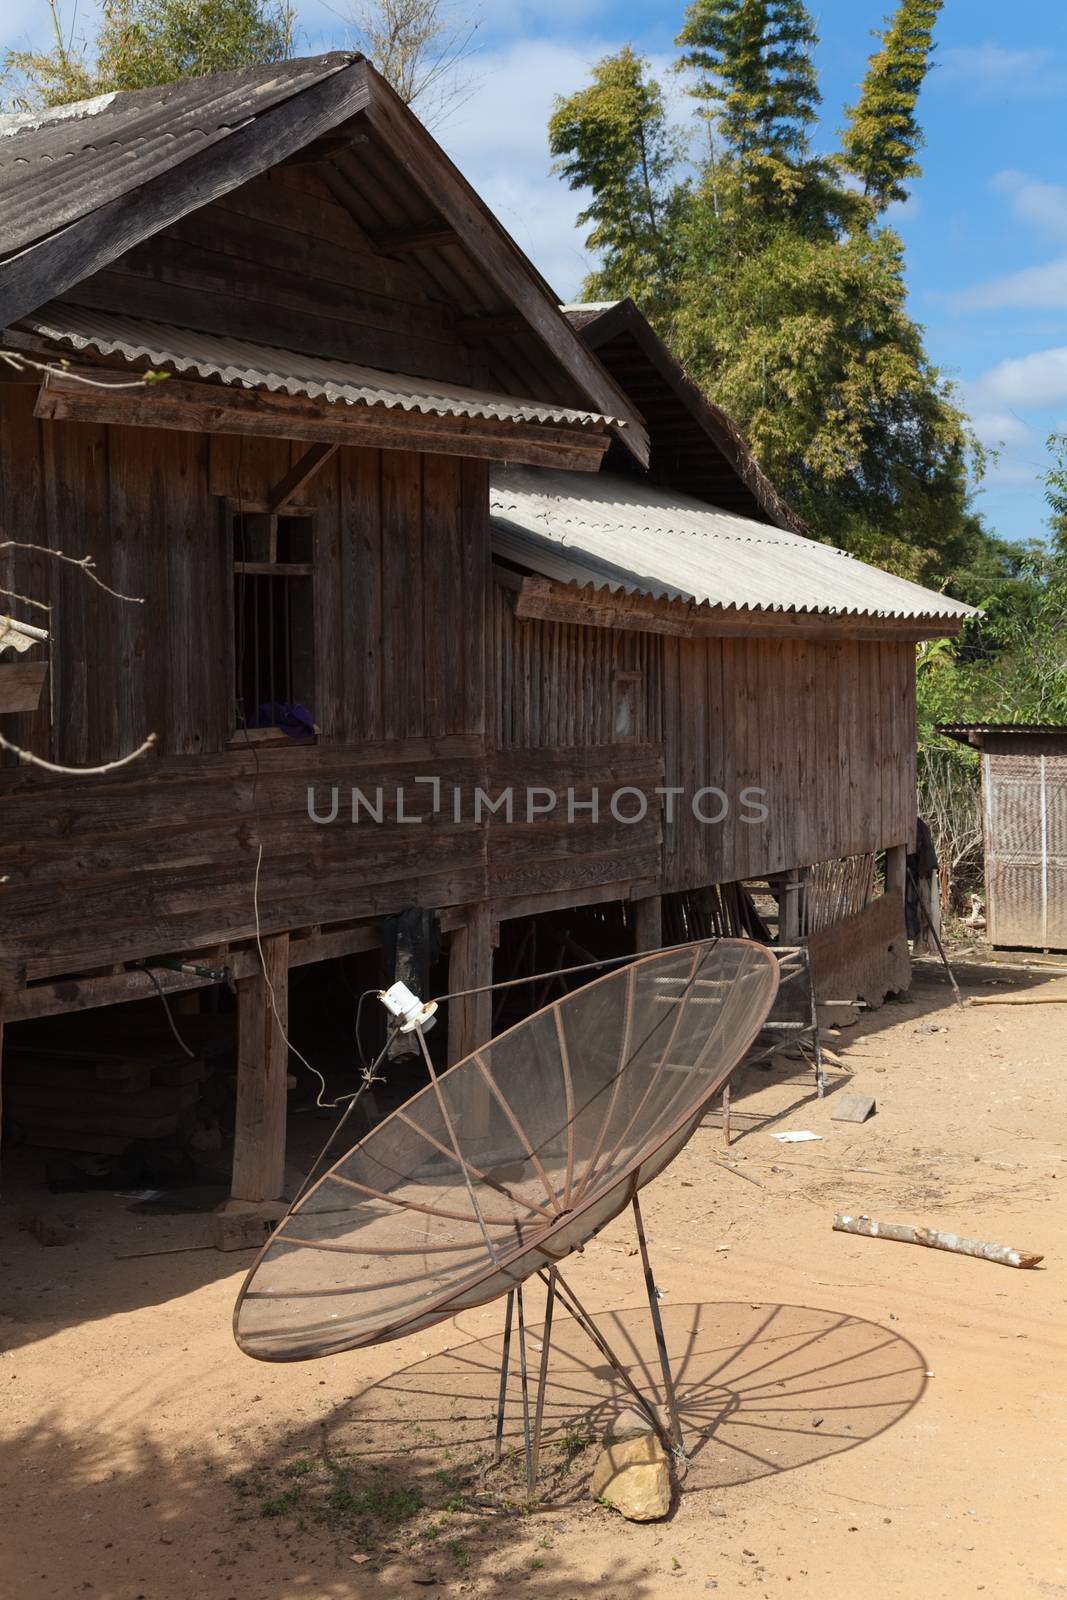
<point>903,1233</point>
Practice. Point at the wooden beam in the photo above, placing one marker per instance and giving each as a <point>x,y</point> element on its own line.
<point>326,147</point>
<point>85,993</point>
<point>507,908</point>
<point>404,240</point>
<point>300,475</point>
<point>224,161</point>
<point>648,922</point>
<point>206,408</point>
<point>470,1020</point>
<point>549,601</point>
<point>262,1063</point>
<point>425,166</point>
<point>470,966</point>
<point>896,868</point>
<point>21,683</point>
<point>491,326</point>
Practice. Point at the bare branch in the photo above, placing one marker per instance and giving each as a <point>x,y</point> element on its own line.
<point>85,563</point>
<point>77,772</point>
<point>418,47</point>
<point>27,600</point>
<point>62,368</point>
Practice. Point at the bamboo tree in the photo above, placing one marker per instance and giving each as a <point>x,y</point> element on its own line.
<point>755,81</point>
<point>880,145</point>
<point>145,42</point>
<point>613,140</point>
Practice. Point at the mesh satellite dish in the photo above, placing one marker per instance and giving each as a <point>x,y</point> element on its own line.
<point>510,1160</point>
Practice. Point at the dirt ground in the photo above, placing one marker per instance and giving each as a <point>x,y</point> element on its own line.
<point>865,1418</point>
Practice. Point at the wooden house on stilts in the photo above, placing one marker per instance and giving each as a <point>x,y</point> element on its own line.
<point>381,581</point>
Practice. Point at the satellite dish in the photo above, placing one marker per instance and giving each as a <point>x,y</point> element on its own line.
<point>510,1160</point>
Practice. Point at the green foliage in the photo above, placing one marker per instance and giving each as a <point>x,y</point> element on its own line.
<point>612,138</point>
<point>141,43</point>
<point>769,275</point>
<point>883,136</point>
<point>1056,492</point>
<point>809,341</point>
<point>752,75</point>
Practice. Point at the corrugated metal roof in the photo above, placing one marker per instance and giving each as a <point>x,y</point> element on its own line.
<point>256,366</point>
<point>59,165</point>
<point>967,732</point>
<point>598,531</point>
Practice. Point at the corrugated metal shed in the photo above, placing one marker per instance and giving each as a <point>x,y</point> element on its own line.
<point>598,531</point>
<point>255,366</point>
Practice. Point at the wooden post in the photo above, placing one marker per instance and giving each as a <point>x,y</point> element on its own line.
<point>792,885</point>
<point>470,1021</point>
<point>648,923</point>
<point>896,868</point>
<point>262,1067</point>
<point>470,966</point>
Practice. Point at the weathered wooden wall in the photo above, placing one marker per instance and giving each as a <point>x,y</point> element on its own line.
<point>827,730</point>
<point>400,557</point>
<point>421,669</point>
<point>280,261</point>
<point>556,686</point>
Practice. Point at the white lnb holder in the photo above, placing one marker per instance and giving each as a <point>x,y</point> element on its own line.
<point>407,1008</point>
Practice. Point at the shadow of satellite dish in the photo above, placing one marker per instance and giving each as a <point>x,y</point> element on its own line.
<point>762,1389</point>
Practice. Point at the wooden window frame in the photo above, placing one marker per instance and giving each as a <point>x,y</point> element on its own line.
<point>241,737</point>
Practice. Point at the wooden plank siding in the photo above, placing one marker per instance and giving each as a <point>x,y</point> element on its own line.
<point>827,729</point>
<point>280,262</point>
<point>422,668</point>
<point>555,681</point>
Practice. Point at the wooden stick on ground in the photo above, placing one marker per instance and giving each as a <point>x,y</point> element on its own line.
<point>1019,1000</point>
<point>903,1233</point>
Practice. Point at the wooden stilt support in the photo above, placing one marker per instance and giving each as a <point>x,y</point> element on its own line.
<point>259,1123</point>
<point>470,966</point>
<point>648,923</point>
<point>896,868</point>
<point>470,1019</point>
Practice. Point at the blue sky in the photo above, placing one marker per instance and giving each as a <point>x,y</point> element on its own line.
<point>986,229</point>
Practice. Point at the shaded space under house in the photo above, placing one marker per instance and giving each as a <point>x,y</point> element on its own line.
<point>334,597</point>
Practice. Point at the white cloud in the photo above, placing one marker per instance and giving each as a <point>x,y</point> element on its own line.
<point>998,429</point>
<point>1037,205</point>
<point>996,69</point>
<point>1042,205</point>
<point>1027,382</point>
<point>1031,289</point>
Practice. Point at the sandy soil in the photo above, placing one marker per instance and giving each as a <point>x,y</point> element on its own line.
<point>865,1417</point>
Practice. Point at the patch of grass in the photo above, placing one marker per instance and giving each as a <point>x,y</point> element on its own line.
<point>281,1504</point>
<point>393,1505</point>
<point>298,1469</point>
<point>459,1553</point>
<point>572,1443</point>
<point>455,1502</point>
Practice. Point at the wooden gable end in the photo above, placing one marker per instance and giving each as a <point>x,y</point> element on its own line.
<point>280,261</point>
